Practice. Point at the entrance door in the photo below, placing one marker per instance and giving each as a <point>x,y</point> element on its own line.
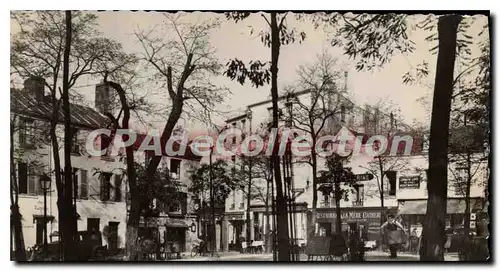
<point>325,229</point>
<point>113,235</point>
<point>39,231</point>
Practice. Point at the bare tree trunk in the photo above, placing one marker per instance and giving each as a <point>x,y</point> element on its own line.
<point>134,215</point>
<point>131,237</point>
<point>432,244</point>
<point>268,225</point>
<point>382,211</point>
<point>467,244</point>
<point>69,214</point>
<point>338,219</point>
<point>281,206</point>
<point>248,218</point>
<point>314,165</point>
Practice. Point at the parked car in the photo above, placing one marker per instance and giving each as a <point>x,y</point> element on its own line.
<point>89,247</point>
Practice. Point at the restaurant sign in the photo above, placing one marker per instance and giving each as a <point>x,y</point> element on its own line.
<point>351,216</point>
<point>409,182</point>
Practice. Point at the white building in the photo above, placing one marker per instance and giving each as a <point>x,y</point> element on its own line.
<point>102,190</point>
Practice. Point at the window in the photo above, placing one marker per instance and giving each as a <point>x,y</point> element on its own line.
<point>22,172</point>
<point>175,168</point>
<point>233,204</point>
<point>33,184</point>
<point>26,131</point>
<point>359,195</point>
<point>75,148</point>
<point>391,177</point>
<point>118,188</point>
<point>183,203</point>
<point>84,194</point>
<point>105,185</point>
<point>243,198</point>
<point>459,183</point>
<point>93,224</point>
<point>75,182</point>
<point>326,201</point>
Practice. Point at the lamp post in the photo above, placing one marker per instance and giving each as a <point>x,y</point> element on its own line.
<point>45,182</point>
<point>248,218</point>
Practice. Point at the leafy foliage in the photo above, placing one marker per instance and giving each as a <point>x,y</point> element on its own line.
<point>335,172</point>
<point>158,193</point>
<point>371,38</point>
<point>258,72</point>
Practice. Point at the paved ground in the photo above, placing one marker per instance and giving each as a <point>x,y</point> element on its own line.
<point>369,256</point>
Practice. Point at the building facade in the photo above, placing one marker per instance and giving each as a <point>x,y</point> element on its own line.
<point>101,194</point>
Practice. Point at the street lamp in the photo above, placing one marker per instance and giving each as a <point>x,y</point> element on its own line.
<point>45,183</point>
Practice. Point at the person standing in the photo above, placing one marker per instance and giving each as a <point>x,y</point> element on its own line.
<point>394,235</point>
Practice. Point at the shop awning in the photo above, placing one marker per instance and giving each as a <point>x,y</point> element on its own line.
<point>419,207</point>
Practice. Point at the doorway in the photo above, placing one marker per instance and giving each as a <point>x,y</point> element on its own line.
<point>113,235</point>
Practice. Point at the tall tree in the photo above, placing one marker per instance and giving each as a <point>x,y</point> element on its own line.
<point>336,179</point>
<point>183,61</point>
<point>321,112</point>
<point>374,40</point>
<point>69,211</point>
<point>432,244</point>
<point>259,73</point>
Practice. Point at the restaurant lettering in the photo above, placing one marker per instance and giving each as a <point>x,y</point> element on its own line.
<point>350,215</point>
<point>409,182</point>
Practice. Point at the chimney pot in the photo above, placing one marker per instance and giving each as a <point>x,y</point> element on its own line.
<point>35,86</point>
<point>104,98</point>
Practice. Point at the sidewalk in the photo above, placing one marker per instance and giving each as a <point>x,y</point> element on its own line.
<point>403,256</point>
<point>370,256</point>
<point>226,256</point>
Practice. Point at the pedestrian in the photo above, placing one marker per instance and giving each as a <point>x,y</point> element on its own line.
<point>394,235</point>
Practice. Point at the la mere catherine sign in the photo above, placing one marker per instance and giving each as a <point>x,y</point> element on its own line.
<point>409,182</point>
<point>349,216</point>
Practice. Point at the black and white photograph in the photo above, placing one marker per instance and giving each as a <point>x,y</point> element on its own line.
<point>250,136</point>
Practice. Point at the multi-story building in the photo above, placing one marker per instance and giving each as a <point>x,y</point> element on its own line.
<point>100,198</point>
<point>363,206</point>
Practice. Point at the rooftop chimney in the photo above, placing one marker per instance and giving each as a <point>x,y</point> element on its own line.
<point>35,86</point>
<point>104,98</point>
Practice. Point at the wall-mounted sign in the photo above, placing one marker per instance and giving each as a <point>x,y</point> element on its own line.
<point>409,182</point>
<point>351,216</point>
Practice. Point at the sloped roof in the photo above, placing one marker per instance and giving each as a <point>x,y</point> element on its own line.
<point>22,102</point>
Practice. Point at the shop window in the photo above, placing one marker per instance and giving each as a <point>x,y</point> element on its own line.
<point>175,168</point>
<point>391,177</point>
<point>93,224</point>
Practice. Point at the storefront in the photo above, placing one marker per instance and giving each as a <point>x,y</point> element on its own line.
<point>365,219</point>
<point>236,230</point>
